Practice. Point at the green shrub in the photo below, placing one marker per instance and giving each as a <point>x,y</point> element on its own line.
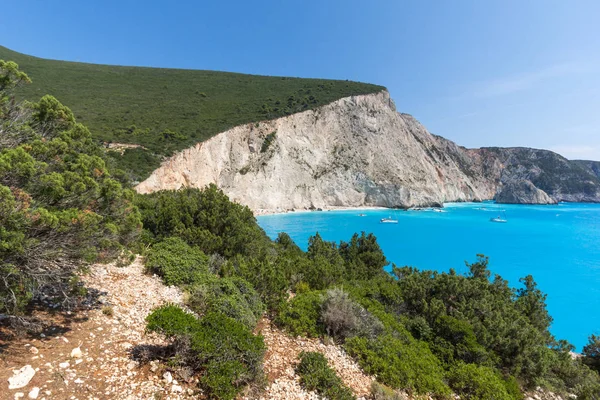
<point>60,206</point>
<point>300,316</point>
<point>269,139</point>
<point>315,374</point>
<point>344,318</point>
<point>233,297</point>
<point>591,353</point>
<point>399,364</point>
<point>176,262</point>
<point>170,320</point>
<point>222,349</point>
<point>205,218</point>
<point>473,382</point>
<point>267,276</point>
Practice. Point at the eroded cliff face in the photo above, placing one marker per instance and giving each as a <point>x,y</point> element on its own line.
<point>358,151</point>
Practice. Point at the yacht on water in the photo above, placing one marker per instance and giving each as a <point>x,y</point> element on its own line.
<point>498,219</point>
<point>388,220</point>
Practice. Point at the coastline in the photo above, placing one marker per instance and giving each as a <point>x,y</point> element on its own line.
<point>262,212</point>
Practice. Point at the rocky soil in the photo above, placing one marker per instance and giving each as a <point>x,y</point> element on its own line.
<point>90,354</point>
<point>93,353</point>
<point>282,357</point>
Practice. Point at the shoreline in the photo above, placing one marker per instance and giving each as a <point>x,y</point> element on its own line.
<point>263,212</point>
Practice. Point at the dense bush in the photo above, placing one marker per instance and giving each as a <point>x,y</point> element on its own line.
<point>60,207</point>
<point>176,262</point>
<point>300,316</point>
<point>476,320</point>
<point>146,102</point>
<point>204,218</point>
<point>315,374</point>
<point>233,297</point>
<point>363,256</point>
<point>591,353</point>
<point>473,382</point>
<point>399,364</point>
<point>456,319</point>
<point>326,266</point>
<point>222,349</point>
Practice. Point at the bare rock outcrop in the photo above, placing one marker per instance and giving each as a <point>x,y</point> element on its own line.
<point>358,151</point>
<point>522,192</point>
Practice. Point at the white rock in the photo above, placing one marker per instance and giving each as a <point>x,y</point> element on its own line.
<point>78,380</point>
<point>76,353</point>
<point>33,394</point>
<point>356,151</point>
<point>21,377</point>
<point>176,389</point>
<point>153,365</point>
<point>64,364</point>
<point>19,395</point>
<point>168,377</point>
<point>33,350</point>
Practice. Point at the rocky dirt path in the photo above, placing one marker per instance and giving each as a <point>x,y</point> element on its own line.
<point>91,354</point>
<point>88,355</point>
<point>282,357</point>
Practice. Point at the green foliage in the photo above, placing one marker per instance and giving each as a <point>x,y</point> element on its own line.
<point>61,207</point>
<point>267,276</point>
<point>363,256</point>
<point>316,375</point>
<point>234,297</point>
<point>591,353</point>
<point>532,303</point>
<point>194,104</point>
<point>176,262</point>
<point>399,364</point>
<point>224,350</point>
<point>570,376</point>
<point>300,316</point>
<point>269,139</point>
<point>170,320</point>
<point>11,76</point>
<point>473,382</point>
<point>486,324</point>
<point>326,266</point>
<point>203,218</point>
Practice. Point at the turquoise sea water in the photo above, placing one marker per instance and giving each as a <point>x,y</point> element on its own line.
<point>559,245</point>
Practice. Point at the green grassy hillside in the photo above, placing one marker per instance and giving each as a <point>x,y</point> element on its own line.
<point>166,110</point>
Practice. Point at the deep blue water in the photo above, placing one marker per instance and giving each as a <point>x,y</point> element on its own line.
<point>559,245</point>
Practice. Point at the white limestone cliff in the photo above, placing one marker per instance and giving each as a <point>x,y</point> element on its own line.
<point>357,151</point>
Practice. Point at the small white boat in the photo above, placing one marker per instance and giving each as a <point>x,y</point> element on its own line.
<point>388,220</point>
<point>362,215</point>
<point>498,219</point>
<point>439,210</point>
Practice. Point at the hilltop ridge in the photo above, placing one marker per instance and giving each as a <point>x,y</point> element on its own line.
<point>166,110</point>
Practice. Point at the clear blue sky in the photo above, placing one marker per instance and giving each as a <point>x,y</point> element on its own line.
<point>482,73</point>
